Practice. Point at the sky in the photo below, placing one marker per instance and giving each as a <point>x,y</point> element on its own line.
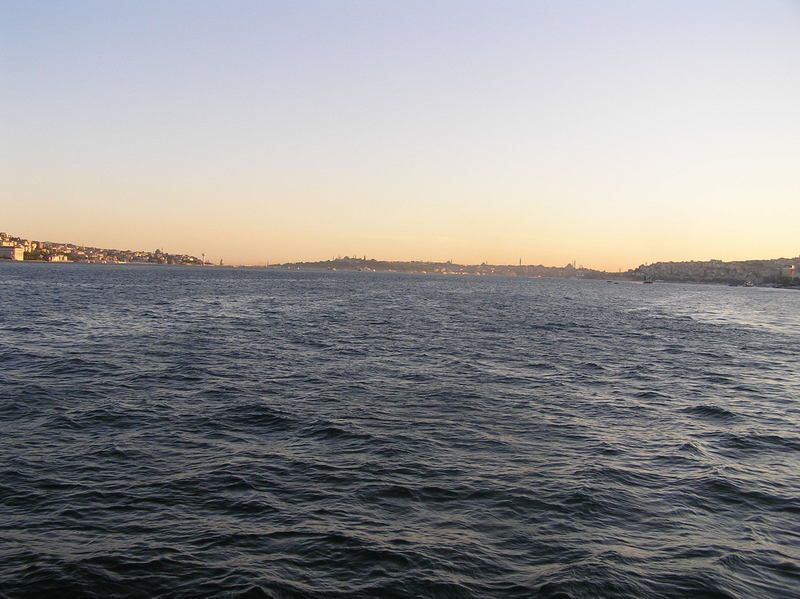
<point>610,133</point>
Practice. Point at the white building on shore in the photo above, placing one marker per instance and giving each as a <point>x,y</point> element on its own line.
<point>12,252</point>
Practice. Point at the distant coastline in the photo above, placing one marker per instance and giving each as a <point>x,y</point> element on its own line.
<point>19,248</point>
<point>777,272</point>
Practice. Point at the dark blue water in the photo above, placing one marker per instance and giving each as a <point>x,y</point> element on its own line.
<point>188,432</point>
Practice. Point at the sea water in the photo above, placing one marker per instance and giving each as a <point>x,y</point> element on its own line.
<point>212,432</point>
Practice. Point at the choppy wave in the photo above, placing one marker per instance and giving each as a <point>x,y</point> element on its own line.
<point>178,432</point>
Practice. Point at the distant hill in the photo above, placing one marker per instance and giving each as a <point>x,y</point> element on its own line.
<point>778,271</point>
<point>449,268</point>
<point>51,251</point>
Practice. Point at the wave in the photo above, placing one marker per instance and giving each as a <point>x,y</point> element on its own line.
<point>211,432</point>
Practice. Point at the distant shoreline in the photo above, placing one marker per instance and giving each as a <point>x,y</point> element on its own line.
<point>499,271</point>
<point>777,272</point>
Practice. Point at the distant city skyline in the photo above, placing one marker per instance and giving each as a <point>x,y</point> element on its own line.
<point>606,133</point>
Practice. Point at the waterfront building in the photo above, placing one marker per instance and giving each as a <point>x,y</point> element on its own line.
<point>12,252</point>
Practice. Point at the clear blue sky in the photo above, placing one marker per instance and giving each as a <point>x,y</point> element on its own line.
<point>610,133</point>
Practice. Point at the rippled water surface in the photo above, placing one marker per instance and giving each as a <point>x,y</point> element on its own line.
<point>188,432</point>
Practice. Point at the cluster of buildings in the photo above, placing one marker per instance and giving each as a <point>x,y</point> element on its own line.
<point>14,248</point>
<point>758,272</point>
<point>778,272</point>
<point>447,268</point>
<point>17,248</point>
